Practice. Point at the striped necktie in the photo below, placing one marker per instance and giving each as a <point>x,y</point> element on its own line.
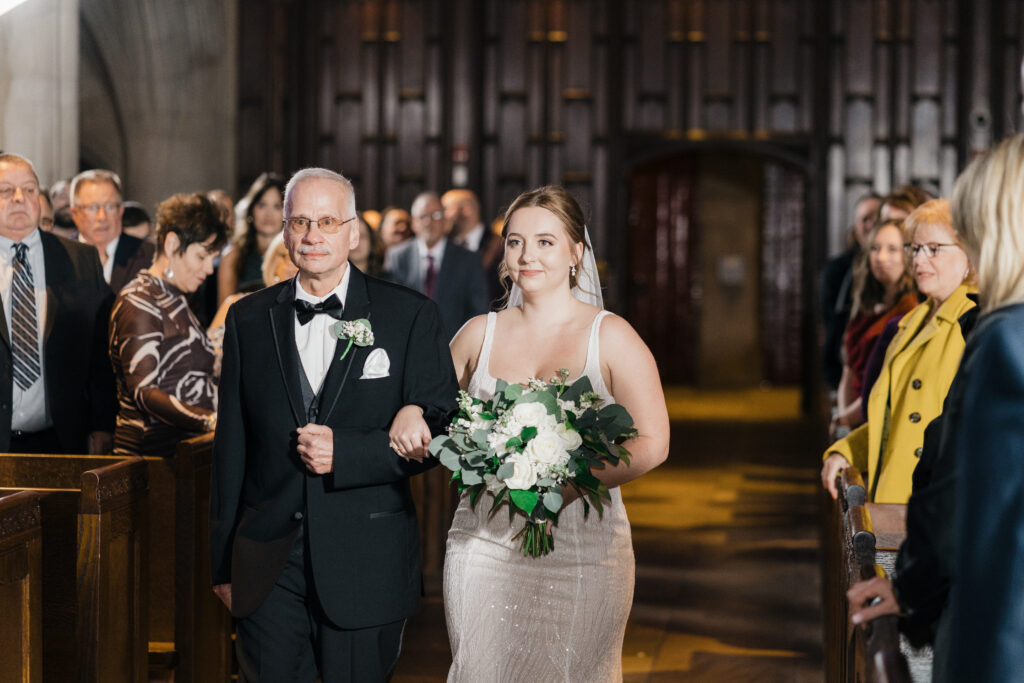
<point>24,328</point>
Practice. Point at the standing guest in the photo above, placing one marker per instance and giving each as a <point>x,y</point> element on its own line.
<point>161,356</point>
<point>135,221</point>
<point>981,634</point>
<point>919,363</point>
<point>368,256</point>
<point>45,211</point>
<point>884,289</point>
<point>447,273</point>
<point>462,209</point>
<point>313,533</point>
<point>837,287</point>
<point>395,227</point>
<point>261,207</point>
<point>56,388</point>
<point>97,209</point>
<point>63,222</point>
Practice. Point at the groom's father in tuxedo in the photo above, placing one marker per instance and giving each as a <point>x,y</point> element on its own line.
<point>314,543</point>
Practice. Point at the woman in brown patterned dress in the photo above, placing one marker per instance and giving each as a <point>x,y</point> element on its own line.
<point>162,358</point>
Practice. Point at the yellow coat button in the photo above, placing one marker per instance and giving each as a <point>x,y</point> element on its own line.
<point>916,384</point>
<point>915,417</point>
<point>918,452</point>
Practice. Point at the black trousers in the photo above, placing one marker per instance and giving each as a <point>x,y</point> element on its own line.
<point>289,638</point>
<point>35,442</point>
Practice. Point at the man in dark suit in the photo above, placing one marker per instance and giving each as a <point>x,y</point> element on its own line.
<point>97,208</point>
<point>449,274</point>
<point>56,384</point>
<point>462,209</point>
<point>314,543</point>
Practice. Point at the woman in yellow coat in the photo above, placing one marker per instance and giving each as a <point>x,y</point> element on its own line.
<point>919,365</point>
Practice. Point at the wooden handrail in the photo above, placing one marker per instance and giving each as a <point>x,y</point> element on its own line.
<point>852,486</point>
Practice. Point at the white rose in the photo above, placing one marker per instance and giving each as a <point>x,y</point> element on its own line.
<point>493,483</point>
<point>545,450</point>
<point>529,414</point>
<point>571,439</point>
<point>524,476</point>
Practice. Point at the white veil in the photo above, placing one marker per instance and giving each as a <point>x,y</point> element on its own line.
<point>588,283</point>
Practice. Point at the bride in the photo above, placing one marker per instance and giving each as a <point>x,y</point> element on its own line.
<point>562,616</point>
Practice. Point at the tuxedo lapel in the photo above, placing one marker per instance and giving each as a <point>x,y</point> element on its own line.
<point>282,326</point>
<point>357,305</point>
<point>53,269</point>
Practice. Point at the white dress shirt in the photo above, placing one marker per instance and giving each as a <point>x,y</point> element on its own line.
<point>473,238</point>
<point>108,267</point>
<point>314,340</point>
<point>437,252</point>
<point>30,412</point>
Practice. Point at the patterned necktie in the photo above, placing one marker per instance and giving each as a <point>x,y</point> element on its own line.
<point>430,281</point>
<point>24,328</point>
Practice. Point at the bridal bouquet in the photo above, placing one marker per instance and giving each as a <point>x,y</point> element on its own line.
<point>525,444</point>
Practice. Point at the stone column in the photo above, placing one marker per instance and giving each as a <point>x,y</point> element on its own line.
<point>39,85</point>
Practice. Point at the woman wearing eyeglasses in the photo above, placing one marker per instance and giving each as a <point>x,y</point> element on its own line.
<point>919,364</point>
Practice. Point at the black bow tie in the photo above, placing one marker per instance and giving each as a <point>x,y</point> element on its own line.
<point>305,311</point>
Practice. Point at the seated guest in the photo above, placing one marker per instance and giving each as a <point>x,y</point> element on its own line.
<point>447,273</point>
<point>97,209</point>
<point>368,256</point>
<point>135,221</point>
<point>162,358</point>
<point>395,226</point>
<point>45,211</point>
<point>262,212</point>
<point>56,388</point>
<point>919,363</point>
<point>883,289</point>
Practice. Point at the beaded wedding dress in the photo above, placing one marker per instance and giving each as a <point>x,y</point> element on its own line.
<point>559,617</point>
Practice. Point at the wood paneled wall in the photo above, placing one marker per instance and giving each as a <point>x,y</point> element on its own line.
<point>503,95</point>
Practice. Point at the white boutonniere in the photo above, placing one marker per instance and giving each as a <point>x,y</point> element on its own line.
<point>357,332</point>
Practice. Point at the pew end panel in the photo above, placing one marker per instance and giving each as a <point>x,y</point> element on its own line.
<point>21,629</point>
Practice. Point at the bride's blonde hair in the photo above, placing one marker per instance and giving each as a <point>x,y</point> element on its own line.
<point>558,201</point>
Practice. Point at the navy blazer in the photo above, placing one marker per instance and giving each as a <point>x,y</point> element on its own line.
<point>361,531</point>
<point>131,256</point>
<point>984,425</point>
<point>461,291</point>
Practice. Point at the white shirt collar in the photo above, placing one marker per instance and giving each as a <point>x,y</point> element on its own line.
<point>32,241</point>
<point>437,251</point>
<point>341,290</point>
<point>473,238</point>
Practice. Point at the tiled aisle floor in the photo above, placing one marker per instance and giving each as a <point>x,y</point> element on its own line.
<point>728,580</point>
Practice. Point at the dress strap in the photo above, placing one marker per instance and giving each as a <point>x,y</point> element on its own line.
<point>483,361</point>
<point>593,369</point>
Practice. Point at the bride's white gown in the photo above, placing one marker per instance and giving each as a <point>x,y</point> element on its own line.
<point>559,617</point>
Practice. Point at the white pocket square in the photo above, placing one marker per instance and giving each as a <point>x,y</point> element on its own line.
<point>377,365</point>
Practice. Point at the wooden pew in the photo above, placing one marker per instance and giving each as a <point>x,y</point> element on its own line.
<point>189,629</point>
<point>21,628</point>
<point>94,591</point>
<point>868,652</point>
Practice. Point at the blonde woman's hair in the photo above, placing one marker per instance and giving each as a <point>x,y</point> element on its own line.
<point>988,210</point>
<point>936,212</point>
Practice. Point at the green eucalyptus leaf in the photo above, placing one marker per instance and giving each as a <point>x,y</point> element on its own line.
<point>499,387</point>
<point>480,439</point>
<point>577,389</point>
<point>472,477</point>
<point>545,482</point>
<point>513,392</point>
<point>437,444</point>
<point>553,501</point>
<point>524,500</point>
<point>505,471</point>
<point>514,444</point>
<point>544,398</point>
<point>527,434</point>
<point>451,460</point>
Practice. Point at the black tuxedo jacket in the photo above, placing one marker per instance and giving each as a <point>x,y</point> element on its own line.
<point>131,256</point>
<point>77,373</point>
<point>461,291</point>
<point>361,532</point>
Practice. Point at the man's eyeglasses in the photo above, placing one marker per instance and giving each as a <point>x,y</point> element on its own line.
<point>27,191</point>
<point>930,249</point>
<point>436,216</point>
<point>93,209</point>
<point>328,225</point>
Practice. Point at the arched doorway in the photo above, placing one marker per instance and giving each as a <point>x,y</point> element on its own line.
<point>716,261</point>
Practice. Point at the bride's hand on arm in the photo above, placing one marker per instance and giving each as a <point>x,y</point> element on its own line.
<point>634,381</point>
<point>409,434</point>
